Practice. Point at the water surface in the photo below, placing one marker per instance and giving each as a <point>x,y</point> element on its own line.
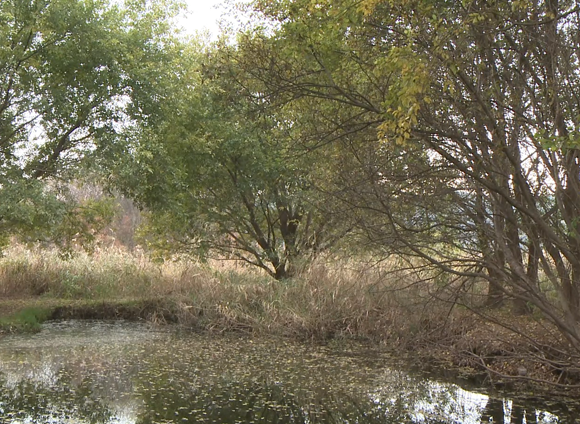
<point>120,372</point>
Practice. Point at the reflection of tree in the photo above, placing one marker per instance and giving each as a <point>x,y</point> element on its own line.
<point>30,402</point>
<point>251,402</point>
<point>427,400</point>
<point>493,411</point>
<point>213,398</point>
<point>232,402</point>
<point>522,415</point>
<point>496,411</point>
<point>221,383</point>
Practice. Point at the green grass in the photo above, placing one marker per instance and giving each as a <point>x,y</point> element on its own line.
<point>27,319</point>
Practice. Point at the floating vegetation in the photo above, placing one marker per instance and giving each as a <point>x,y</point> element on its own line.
<point>120,372</point>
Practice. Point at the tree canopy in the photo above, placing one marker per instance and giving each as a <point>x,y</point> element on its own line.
<point>224,176</point>
<point>463,119</point>
<point>73,76</point>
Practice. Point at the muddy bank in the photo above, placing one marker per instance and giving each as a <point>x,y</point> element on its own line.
<point>152,310</point>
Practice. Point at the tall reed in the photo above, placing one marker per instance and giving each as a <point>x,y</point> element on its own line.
<point>328,299</point>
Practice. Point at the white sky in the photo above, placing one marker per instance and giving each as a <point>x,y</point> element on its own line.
<point>203,15</point>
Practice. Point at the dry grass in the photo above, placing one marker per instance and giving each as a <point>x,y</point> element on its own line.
<point>35,272</point>
<point>329,299</point>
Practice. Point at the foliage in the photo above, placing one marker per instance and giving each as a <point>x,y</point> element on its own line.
<point>442,132</point>
<point>473,165</point>
<point>73,75</point>
<point>222,175</point>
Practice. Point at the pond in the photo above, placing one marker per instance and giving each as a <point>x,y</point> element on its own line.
<point>121,372</point>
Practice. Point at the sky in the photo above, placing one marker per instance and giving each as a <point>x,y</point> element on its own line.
<point>203,15</point>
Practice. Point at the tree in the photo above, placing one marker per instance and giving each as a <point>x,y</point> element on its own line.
<point>73,74</point>
<point>474,166</point>
<point>219,174</point>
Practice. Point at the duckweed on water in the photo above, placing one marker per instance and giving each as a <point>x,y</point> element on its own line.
<point>99,372</point>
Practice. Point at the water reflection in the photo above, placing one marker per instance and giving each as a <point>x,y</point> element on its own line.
<point>127,373</point>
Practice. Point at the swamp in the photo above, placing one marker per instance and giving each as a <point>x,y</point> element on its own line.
<point>333,211</point>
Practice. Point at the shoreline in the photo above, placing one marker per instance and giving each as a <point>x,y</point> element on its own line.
<point>455,357</point>
<point>332,301</point>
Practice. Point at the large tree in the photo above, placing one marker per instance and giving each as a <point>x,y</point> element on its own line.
<point>220,174</point>
<point>474,164</point>
<point>73,75</point>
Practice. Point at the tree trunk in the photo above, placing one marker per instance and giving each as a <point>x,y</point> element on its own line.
<point>495,294</point>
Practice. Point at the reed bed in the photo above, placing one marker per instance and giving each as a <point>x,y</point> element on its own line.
<point>331,298</point>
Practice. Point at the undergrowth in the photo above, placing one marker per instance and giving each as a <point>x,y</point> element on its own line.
<point>328,300</point>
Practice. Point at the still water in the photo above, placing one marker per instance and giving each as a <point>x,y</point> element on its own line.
<point>120,372</point>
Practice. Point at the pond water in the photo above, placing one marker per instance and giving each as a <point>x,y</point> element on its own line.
<point>120,372</point>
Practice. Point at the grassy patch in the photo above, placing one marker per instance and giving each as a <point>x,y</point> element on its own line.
<point>27,319</point>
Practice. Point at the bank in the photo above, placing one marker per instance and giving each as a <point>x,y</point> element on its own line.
<point>462,345</point>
